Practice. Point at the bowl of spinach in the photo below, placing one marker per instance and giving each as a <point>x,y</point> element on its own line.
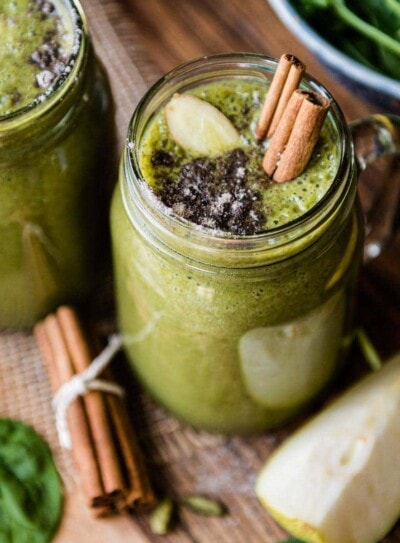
<point>358,41</point>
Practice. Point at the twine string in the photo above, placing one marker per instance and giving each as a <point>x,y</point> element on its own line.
<point>84,382</point>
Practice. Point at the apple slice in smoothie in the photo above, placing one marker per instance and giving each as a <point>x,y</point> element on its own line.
<point>284,366</point>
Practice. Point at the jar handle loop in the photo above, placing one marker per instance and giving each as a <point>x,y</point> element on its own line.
<point>375,137</point>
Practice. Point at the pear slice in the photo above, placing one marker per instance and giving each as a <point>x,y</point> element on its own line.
<point>199,127</point>
<point>284,366</point>
<point>337,480</point>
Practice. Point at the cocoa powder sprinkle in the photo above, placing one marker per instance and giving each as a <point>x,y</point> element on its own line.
<point>49,57</point>
<point>214,193</point>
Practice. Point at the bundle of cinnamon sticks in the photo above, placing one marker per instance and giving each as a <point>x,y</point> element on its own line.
<point>105,450</point>
<point>293,119</point>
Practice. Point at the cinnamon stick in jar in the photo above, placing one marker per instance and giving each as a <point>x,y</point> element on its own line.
<point>294,140</point>
<point>281,136</point>
<point>286,79</point>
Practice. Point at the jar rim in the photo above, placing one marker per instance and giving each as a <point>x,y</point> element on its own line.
<point>46,100</point>
<point>200,237</point>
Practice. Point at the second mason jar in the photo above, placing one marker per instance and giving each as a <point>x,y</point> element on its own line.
<point>234,333</point>
<point>56,151</point>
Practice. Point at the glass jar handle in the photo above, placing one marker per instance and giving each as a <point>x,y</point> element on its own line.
<point>376,137</point>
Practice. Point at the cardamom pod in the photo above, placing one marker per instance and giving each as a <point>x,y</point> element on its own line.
<point>205,506</point>
<point>160,518</point>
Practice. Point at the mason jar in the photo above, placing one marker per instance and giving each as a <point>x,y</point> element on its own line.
<point>235,333</point>
<point>55,157</point>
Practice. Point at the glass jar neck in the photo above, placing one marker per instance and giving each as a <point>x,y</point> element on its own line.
<point>172,234</point>
<point>46,112</point>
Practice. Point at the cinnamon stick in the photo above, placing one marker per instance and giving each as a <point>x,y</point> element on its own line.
<point>56,358</point>
<point>138,491</point>
<point>105,450</point>
<point>95,407</point>
<point>281,136</point>
<point>286,79</point>
<point>294,140</point>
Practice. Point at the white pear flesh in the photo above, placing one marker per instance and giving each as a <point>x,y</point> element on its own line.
<point>284,366</point>
<point>337,479</point>
<point>199,127</point>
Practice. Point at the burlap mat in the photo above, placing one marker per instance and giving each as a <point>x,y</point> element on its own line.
<point>181,460</point>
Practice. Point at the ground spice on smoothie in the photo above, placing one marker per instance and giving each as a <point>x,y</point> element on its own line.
<point>49,56</point>
<point>214,193</point>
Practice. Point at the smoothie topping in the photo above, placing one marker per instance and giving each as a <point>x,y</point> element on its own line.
<point>43,6</point>
<point>199,127</point>
<point>293,119</point>
<point>216,194</point>
<point>295,137</point>
<point>287,77</point>
<point>36,41</point>
<point>51,59</point>
<point>227,189</point>
<point>212,189</point>
<point>50,56</point>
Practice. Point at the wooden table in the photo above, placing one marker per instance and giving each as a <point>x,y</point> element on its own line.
<point>171,32</point>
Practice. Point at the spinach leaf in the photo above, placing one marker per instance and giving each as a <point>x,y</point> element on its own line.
<point>30,488</point>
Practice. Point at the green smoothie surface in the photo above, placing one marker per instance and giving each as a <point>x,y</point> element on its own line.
<point>231,192</point>
<point>36,41</point>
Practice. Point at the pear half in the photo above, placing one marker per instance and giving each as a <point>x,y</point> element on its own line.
<point>337,479</point>
<point>199,127</point>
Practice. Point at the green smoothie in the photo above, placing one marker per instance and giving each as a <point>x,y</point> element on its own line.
<point>54,160</point>
<point>36,40</point>
<point>230,345</point>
